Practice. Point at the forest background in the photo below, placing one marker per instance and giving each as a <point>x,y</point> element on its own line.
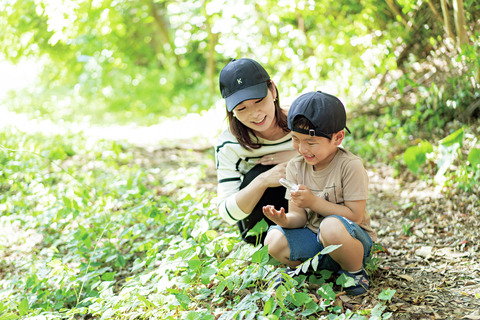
<point>108,182</point>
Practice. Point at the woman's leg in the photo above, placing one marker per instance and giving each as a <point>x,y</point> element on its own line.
<point>273,196</point>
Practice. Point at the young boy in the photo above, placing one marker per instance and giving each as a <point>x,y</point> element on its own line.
<point>329,207</point>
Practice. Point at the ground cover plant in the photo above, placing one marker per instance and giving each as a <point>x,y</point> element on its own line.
<point>91,230</point>
<point>97,228</point>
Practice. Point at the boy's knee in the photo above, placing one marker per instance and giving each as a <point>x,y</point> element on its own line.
<point>276,242</point>
<point>330,230</point>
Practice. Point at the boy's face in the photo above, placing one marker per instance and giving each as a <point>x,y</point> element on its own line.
<point>317,151</point>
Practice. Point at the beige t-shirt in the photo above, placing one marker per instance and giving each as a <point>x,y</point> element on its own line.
<point>344,179</point>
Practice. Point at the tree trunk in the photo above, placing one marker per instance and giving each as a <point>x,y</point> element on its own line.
<point>446,20</point>
<point>163,32</point>
<point>398,14</point>
<point>212,42</point>
<point>435,12</point>
<point>459,15</point>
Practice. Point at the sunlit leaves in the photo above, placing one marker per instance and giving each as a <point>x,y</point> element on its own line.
<point>416,156</point>
<point>474,157</point>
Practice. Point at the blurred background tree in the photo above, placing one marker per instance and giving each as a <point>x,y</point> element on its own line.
<point>118,60</point>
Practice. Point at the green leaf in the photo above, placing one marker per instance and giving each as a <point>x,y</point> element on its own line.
<point>23,307</point>
<point>281,293</point>
<point>474,157</point>
<point>329,249</point>
<point>300,298</point>
<point>415,156</point>
<point>121,260</point>
<point>137,264</point>
<point>258,229</point>
<point>108,314</point>
<point>144,300</point>
<point>207,273</point>
<point>315,263</point>
<point>108,276</point>
<point>386,294</point>
<point>261,256</point>
<point>456,137</point>
<point>194,315</point>
<point>327,292</point>
<point>345,281</point>
<point>9,316</point>
<point>183,299</point>
<point>269,306</point>
<point>304,267</point>
<point>67,202</point>
<point>221,286</point>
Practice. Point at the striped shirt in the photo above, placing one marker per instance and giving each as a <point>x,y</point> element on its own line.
<point>233,162</point>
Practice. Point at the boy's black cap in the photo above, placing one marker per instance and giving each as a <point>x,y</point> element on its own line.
<point>241,80</point>
<point>325,112</point>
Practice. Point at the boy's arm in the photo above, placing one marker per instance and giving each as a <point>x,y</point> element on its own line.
<point>352,210</point>
<point>295,218</point>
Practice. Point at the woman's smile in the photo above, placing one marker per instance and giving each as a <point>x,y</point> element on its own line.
<point>261,122</point>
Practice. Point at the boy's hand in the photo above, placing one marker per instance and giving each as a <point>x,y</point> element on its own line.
<point>278,217</point>
<point>303,198</point>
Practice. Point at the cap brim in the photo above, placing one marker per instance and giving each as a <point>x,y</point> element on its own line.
<point>257,91</point>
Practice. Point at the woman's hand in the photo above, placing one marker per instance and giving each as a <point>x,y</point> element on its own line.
<point>278,217</point>
<point>270,177</point>
<point>276,158</point>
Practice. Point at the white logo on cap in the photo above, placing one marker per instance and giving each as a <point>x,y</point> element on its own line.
<point>239,80</point>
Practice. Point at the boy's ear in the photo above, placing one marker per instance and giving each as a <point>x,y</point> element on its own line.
<point>338,137</point>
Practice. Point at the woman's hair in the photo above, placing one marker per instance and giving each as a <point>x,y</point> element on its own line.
<point>245,135</point>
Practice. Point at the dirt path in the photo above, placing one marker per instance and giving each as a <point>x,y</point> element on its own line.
<point>433,256</point>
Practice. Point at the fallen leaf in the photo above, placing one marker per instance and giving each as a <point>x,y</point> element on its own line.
<point>424,252</point>
<point>406,277</point>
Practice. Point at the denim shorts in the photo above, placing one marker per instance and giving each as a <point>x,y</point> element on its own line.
<point>304,243</point>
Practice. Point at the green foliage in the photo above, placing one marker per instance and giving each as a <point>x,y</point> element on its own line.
<point>451,152</point>
<point>113,60</point>
<point>108,238</point>
<point>416,156</point>
<point>103,240</point>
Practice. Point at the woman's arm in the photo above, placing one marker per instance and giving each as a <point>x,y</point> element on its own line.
<point>248,197</point>
<point>278,157</point>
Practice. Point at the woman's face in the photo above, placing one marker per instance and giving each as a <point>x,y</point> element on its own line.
<point>257,114</point>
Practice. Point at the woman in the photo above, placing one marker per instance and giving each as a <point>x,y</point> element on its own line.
<point>253,153</point>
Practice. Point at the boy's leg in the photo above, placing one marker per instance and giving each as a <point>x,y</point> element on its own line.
<point>292,246</point>
<point>354,252</point>
<point>278,247</point>
<point>273,196</point>
<point>350,255</point>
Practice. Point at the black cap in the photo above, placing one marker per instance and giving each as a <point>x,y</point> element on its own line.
<point>241,80</point>
<point>325,112</point>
